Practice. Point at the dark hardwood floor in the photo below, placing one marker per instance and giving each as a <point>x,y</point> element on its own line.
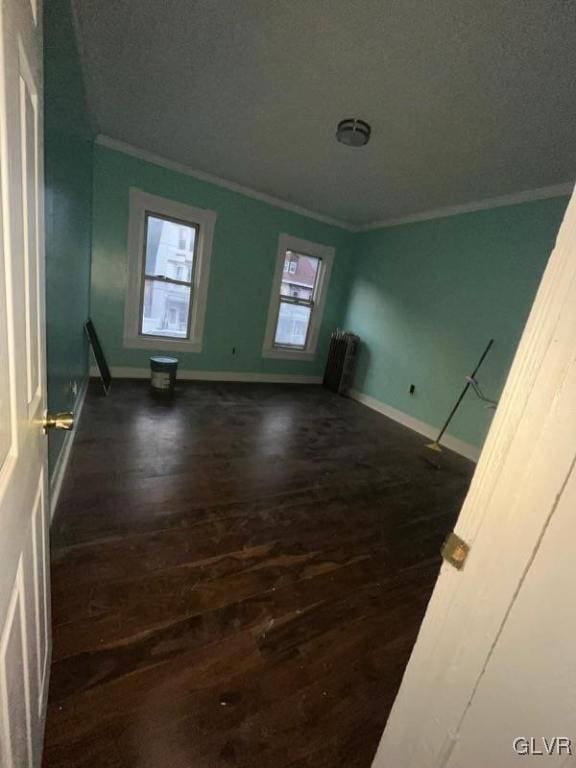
<point>238,577</point>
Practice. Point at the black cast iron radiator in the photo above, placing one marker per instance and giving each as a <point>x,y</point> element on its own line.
<point>341,359</point>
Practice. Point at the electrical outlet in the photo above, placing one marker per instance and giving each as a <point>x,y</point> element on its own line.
<point>412,389</point>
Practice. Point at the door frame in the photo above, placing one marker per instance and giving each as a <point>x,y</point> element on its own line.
<point>523,468</point>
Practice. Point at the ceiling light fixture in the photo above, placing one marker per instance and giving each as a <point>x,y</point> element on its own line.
<point>353,133</point>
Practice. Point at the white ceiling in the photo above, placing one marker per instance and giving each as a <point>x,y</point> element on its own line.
<point>468,99</point>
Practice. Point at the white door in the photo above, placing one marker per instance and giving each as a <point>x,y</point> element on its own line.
<point>523,710</point>
<point>481,669</point>
<point>24,587</point>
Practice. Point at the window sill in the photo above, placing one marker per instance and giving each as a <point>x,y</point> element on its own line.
<point>288,354</point>
<point>156,343</point>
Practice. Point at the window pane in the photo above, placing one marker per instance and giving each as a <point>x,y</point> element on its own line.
<point>299,276</point>
<point>292,326</point>
<point>165,309</point>
<point>169,249</point>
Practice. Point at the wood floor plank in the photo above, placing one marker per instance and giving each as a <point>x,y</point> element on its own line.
<point>239,576</point>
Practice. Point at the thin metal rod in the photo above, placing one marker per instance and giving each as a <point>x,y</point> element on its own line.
<point>463,393</point>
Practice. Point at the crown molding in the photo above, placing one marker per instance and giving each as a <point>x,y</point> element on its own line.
<point>527,196</point>
<point>541,193</point>
<point>173,165</point>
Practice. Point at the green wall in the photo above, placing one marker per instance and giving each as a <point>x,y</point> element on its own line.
<point>243,261</point>
<point>425,299</point>
<point>68,202</point>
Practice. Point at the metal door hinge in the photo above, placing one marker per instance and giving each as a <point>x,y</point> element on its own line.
<point>455,551</point>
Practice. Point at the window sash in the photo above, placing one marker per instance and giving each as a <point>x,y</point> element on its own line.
<point>167,280</point>
<point>165,335</point>
<point>302,303</point>
<point>316,276</point>
<point>296,300</point>
<point>162,279</point>
<point>285,299</point>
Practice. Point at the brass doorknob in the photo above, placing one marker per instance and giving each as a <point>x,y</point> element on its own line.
<point>63,420</point>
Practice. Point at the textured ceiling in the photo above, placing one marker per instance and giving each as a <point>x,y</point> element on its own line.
<point>468,99</point>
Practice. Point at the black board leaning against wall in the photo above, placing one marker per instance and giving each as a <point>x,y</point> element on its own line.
<point>105,375</point>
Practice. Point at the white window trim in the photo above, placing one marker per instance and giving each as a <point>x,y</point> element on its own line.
<point>326,254</point>
<point>141,203</point>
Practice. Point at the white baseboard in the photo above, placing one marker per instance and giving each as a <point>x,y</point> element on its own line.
<point>62,462</point>
<point>184,375</point>
<point>453,443</point>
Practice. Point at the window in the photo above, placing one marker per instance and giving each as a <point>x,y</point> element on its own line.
<point>167,290</point>
<point>298,295</point>
<point>296,300</point>
<point>169,252</point>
